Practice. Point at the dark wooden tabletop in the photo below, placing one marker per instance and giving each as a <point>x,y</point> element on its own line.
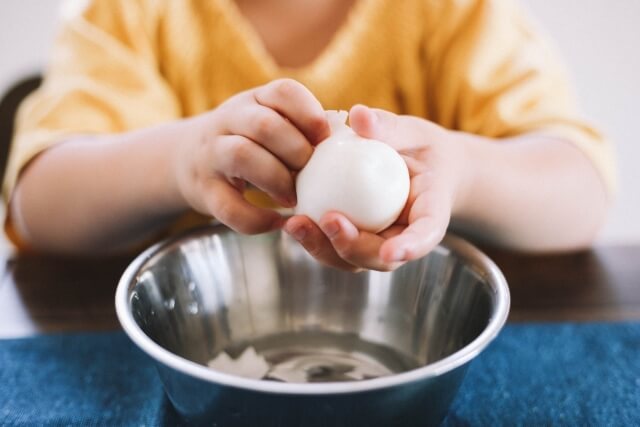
<point>40,294</point>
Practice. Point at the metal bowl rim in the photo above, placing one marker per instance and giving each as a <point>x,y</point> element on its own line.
<point>478,260</point>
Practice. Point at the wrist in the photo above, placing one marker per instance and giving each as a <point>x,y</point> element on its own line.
<point>174,140</point>
<point>189,148</point>
<point>468,158</point>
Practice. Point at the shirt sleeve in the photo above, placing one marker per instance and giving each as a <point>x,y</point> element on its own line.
<point>496,75</point>
<point>103,77</point>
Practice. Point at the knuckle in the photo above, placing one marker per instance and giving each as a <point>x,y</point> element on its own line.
<point>286,88</point>
<point>265,124</point>
<point>314,250</point>
<point>346,252</point>
<point>240,153</point>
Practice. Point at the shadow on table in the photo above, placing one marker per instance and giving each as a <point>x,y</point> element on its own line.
<point>59,294</point>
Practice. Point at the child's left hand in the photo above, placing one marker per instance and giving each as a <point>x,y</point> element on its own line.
<point>437,167</point>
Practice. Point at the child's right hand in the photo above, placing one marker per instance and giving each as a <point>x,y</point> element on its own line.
<point>261,136</point>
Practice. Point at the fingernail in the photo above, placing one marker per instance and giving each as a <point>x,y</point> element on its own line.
<point>288,202</point>
<point>299,233</point>
<point>374,116</point>
<point>331,229</point>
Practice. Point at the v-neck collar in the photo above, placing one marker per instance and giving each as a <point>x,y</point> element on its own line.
<point>342,43</point>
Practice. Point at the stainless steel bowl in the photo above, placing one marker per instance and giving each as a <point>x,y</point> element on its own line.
<point>185,300</point>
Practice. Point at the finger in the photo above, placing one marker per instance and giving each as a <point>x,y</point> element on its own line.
<point>228,206</point>
<point>427,227</point>
<point>356,247</point>
<point>242,158</point>
<point>400,132</point>
<point>307,233</point>
<point>295,102</point>
<point>272,131</point>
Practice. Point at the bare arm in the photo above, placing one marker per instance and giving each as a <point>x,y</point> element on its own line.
<point>99,194</point>
<point>531,192</point>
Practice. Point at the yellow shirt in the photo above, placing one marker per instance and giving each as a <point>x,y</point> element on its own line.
<point>472,65</point>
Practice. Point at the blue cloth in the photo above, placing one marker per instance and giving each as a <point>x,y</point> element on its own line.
<point>548,374</point>
<point>554,375</point>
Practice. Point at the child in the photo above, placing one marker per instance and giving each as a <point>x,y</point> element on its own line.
<point>154,115</point>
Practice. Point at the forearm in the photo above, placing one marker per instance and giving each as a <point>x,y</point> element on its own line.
<point>531,193</point>
<point>99,193</point>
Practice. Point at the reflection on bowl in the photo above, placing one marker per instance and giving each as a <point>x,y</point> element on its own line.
<point>348,349</point>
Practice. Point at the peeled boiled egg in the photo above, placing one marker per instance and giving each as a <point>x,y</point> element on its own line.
<point>364,179</point>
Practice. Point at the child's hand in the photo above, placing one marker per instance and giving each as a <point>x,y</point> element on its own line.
<point>436,166</point>
<point>259,136</point>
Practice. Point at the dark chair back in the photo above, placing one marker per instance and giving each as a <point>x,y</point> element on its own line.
<point>8,107</point>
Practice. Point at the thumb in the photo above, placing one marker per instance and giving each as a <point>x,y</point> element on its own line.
<point>384,126</point>
<point>372,123</point>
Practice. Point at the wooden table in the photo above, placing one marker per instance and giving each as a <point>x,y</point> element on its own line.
<point>40,294</point>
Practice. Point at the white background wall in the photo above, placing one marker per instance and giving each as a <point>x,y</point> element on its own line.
<point>600,40</point>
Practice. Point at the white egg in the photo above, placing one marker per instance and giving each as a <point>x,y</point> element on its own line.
<point>364,179</point>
